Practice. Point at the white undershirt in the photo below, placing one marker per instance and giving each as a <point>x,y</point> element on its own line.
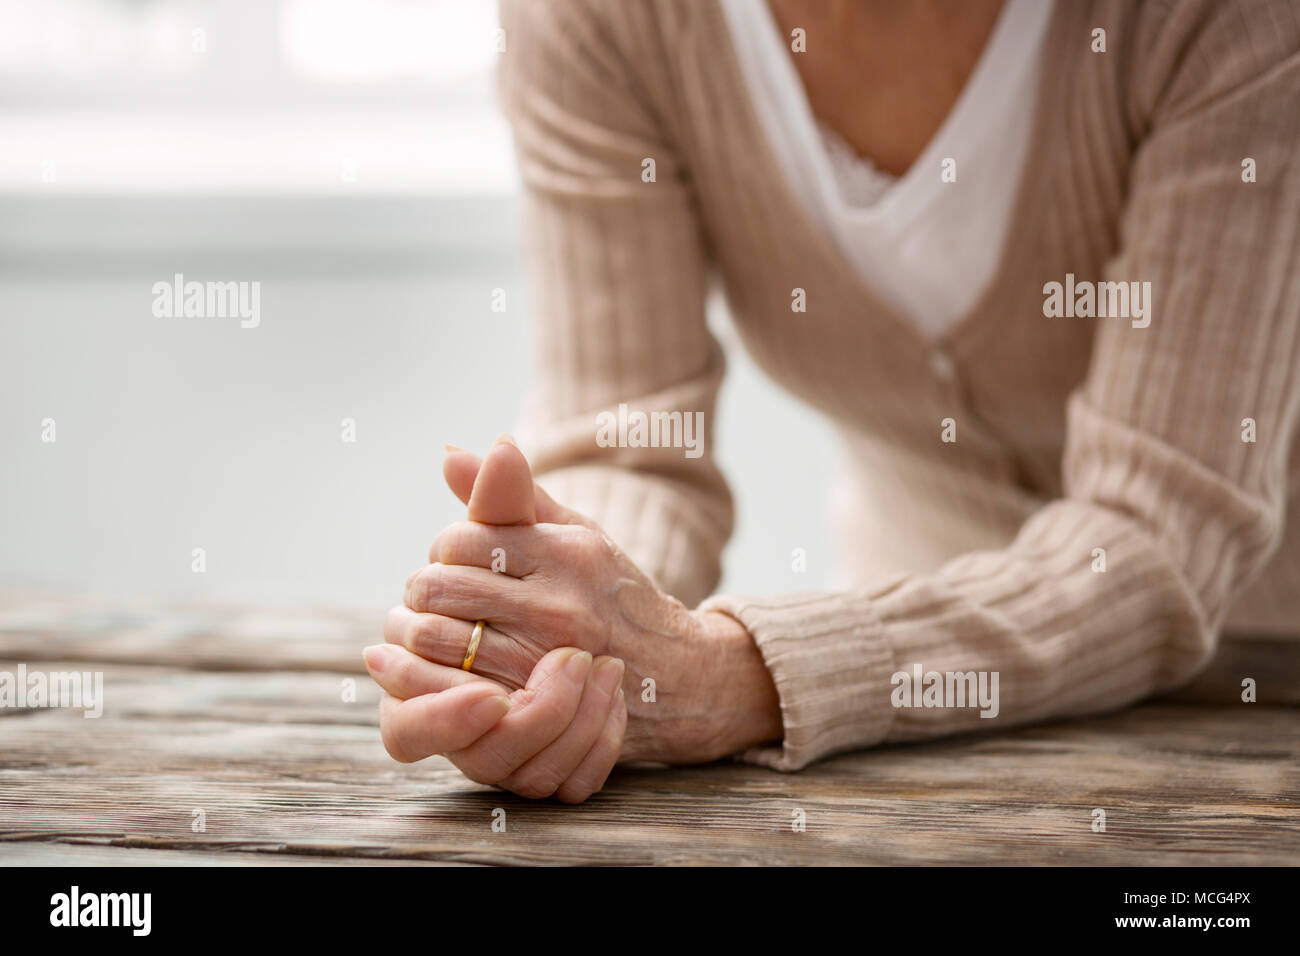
<point>926,247</point>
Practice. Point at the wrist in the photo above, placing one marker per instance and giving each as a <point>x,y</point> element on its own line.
<point>746,707</point>
<point>712,694</point>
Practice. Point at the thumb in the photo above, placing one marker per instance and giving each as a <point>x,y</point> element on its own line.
<point>503,488</point>
<point>461,468</point>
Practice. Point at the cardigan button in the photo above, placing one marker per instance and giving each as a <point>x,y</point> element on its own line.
<point>942,365</point>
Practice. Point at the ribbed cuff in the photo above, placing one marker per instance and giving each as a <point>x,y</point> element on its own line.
<point>831,665</point>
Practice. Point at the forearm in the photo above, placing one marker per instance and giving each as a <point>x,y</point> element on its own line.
<point>1016,636</point>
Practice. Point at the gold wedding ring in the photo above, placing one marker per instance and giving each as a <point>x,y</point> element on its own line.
<point>473,646</point>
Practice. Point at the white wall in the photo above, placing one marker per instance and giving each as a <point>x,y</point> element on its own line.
<point>378,214</point>
<point>181,433</point>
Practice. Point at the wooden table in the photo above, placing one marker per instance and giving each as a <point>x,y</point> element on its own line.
<point>240,715</point>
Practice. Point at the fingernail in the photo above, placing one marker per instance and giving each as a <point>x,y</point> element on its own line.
<point>504,439</point>
<point>450,448</point>
<point>609,675</point>
<point>490,710</point>
<point>377,657</point>
<point>578,665</point>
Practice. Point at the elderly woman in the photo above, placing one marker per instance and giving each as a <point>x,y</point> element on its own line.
<point>1036,261</point>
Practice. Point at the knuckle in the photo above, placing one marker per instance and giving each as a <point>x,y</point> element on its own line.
<point>474,772</point>
<point>490,766</point>
<point>428,587</point>
<point>574,790</point>
<point>534,784</point>
<point>395,624</point>
<point>452,544</point>
<point>422,636</point>
<point>489,774</point>
<point>556,709</point>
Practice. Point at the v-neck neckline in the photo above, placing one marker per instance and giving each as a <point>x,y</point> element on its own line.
<point>907,189</point>
<point>967,330</point>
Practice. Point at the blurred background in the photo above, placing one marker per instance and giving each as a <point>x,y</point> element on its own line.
<point>348,155</point>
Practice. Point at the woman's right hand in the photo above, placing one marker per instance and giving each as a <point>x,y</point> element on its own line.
<point>560,735</point>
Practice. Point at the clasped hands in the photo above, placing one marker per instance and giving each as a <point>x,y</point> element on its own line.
<point>583,660</point>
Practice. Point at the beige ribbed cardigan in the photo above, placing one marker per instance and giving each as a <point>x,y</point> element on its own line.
<point>1072,434</point>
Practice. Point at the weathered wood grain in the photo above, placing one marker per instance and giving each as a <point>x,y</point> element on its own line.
<point>38,627</point>
<point>287,770</point>
<point>281,765</point>
<point>87,853</point>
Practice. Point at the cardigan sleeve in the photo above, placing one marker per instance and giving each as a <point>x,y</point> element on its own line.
<point>618,279</point>
<point>1176,459</point>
